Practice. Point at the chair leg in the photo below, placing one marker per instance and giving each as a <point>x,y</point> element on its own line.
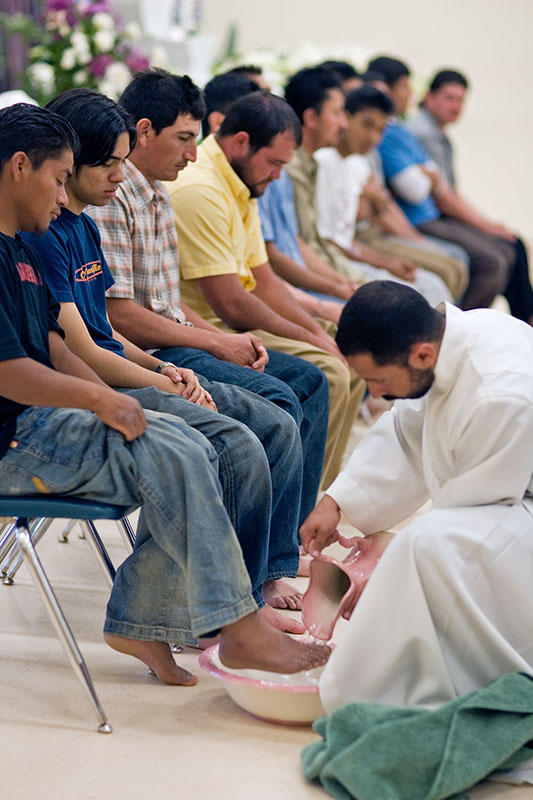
<point>66,531</point>
<point>7,540</point>
<point>93,537</point>
<point>37,528</point>
<point>60,623</point>
<point>126,531</point>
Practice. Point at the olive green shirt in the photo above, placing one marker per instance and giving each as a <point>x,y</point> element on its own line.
<point>302,171</point>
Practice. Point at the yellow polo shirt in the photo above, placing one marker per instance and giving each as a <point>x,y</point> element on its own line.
<point>219,230</point>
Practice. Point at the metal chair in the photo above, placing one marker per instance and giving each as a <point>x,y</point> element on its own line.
<point>32,516</point>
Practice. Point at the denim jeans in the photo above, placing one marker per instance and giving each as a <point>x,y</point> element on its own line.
<point>186,576</point>
<point>260,475</point>
<point>295,385</point>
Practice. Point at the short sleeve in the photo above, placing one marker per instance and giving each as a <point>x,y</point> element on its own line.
<point>204,234</point>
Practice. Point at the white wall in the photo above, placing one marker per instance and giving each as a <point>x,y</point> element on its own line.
<point>490,40</point>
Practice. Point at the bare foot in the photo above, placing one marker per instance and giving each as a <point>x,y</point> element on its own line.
<point>280,594</point>
<point>156,655</point>
<point>281,622</point>
<point>207,641</point>
<point>251,643</point>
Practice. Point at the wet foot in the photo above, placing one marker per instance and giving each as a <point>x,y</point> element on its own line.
<point>280,621</point>
<point>252,643</point>
<point>156,655</point>
<point>281,594</point>
<point>208,641</point>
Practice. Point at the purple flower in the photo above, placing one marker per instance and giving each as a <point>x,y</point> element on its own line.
<point>136,60</point>
<point>89,8</point>
<point>59,5</point>
<point>99,65</point>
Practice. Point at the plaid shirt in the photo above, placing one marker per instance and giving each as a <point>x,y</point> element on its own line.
<point>140,244</point>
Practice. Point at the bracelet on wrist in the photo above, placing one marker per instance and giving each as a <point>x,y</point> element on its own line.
<point>161,366</point>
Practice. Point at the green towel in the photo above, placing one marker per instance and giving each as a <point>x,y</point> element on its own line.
<point>377,752</point>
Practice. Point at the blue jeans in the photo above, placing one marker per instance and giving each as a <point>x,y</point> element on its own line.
<point>186,576</point>
<point>260,475</point>
<point>293,384</point>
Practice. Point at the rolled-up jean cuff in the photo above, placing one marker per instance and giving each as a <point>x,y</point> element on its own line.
<point>200,625</point>
<point>288,571</point>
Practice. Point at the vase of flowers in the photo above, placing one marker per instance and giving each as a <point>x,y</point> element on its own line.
<point>80,43</point>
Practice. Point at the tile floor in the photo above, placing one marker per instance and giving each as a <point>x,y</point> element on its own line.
<point>167,743</point>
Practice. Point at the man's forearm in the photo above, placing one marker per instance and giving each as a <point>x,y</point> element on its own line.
<point>451,204</point>
<point>149,330</point>
<point>30,383</point>
<point>315,262</point>
<point>301,277</point>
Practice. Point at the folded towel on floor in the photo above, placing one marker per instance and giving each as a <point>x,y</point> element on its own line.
<point>377,752</point>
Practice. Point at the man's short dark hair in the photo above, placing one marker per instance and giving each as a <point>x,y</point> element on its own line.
<point>161,97</point>
<point>344,69</point>
<point>391,69</point>
<point>446,76</point>
<point>385,319</point>
<point>245,69</point>
<point>309,87</point>
<point>367,97</point>
<point>39,133</point>
<point>222,91</point>
<point>262,115</point>
<point>98,122</point>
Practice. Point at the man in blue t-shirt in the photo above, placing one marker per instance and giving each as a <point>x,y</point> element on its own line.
<point>64,431</point>
<point>262,500</point>
<point>425,197</point>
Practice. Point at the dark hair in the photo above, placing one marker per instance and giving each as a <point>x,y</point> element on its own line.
<point>385,319</point>
<point>308,88</point>
<point>39,133</point>
<point>262,115</point>
<point>447,76</point>
<point>373,75</point>
<point>97,120</point>
<point>344,70</point>
<point>367,97</point>
<point>161,98</point>
<point>390,68</point>
<point>222,91</point>
<point>245,69</point>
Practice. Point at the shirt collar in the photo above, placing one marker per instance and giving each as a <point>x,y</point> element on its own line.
<point>140,187</point>
<point>452,348</point>
<point>215,153</point>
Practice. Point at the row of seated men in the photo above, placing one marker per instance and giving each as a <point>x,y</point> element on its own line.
<point>158,284</point>
<point>385,191</point>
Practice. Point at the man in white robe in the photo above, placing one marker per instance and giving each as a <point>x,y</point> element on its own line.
<point>449,606</point>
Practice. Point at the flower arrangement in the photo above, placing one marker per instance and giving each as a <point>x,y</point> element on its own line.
<point>279,63</point>
<point>81,43</point>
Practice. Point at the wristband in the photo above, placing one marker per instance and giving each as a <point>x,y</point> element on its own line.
<point>160,367</point>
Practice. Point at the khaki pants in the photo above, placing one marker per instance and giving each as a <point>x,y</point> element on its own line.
<point>346,391</point>
<point>452,271</point>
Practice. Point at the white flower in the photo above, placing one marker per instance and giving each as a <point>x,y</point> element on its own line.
<point>42,75</point>
<point>104,40</point>
<point>117,75</point>
<point>133,31</point>
<point>80,77</point>
<point>159,57</point>
<point>102,21</point>
<point>80,45</point>
<point>69,59</point>
<point>109,89</point>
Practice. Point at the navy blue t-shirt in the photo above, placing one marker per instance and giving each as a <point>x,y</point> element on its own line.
<point>28,311</point>
<point>77,272</point>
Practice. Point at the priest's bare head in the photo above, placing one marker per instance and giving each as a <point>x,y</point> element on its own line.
<point>391,336</point>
